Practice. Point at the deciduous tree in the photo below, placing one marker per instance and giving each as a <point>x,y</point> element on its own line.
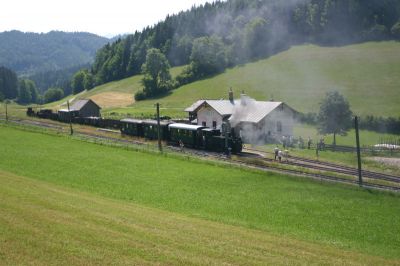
<point>335,116</point>
<point>157,78</point>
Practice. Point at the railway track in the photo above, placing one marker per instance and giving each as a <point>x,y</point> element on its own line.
<point>326,166</point>
<point>317,176</point>
<point>240,161</point>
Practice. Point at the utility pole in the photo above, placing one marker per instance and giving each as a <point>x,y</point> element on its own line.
<point>6,111</point>
<point>158,127</point>
<point>70,118</point>
<point>358,151</point>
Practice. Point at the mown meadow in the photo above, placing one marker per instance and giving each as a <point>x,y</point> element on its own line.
<point>42,223</point>
<point>339,216</point>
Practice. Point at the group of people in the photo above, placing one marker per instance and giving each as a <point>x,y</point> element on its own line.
<point>284,154</point>
<point>279,154</point>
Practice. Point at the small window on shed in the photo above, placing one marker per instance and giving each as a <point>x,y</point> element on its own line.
<point>204,124</point>
<point>214,124</point>
<point>279,126</point>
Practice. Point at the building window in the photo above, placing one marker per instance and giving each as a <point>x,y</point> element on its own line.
<point>214,124</point>
<point>204,124</point>
<point>279,126</point>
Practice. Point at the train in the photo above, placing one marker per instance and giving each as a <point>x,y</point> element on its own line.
<point>189,135</point>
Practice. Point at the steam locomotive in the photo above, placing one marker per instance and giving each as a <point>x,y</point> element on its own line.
<point>193,136</point>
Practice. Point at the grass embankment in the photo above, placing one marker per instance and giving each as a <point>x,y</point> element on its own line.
<point>367,138</point>
<point>345,217</point>
<point>42,223</point>
<point>366,74</point>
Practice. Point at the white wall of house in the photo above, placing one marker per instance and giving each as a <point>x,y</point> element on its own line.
<point>278,123</point>
<point>283,116</point>
<point>209,115</point>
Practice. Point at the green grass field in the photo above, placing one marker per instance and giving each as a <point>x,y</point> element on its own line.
<point>367,75</point>
<point>42,224</point>
<point>322,214</point>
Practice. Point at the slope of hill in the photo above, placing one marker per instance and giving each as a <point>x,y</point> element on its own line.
<point>245,30</point>
<point>367,74</point>
<point>28,53</point>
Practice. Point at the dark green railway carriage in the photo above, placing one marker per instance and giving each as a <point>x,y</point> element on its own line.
<point>150,129</point>
<point>132,127</point>
<point>190,135</point>
<point>207,135</point>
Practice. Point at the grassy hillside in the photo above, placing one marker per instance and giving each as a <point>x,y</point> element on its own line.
<point>41,223</point>
<point>336,215</point>
<point>367,74</point>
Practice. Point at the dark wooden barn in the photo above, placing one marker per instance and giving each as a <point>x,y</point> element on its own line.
<point>81,108</point>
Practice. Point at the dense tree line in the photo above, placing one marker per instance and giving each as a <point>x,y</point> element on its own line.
<point>379,124</point>
<point>30,53</point>
<point>8,84</point>
<point>23,90</point>
<point>56,79</point>
<point>214,36</point>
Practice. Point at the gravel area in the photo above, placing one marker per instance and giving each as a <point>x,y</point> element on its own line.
<point>388,161</point>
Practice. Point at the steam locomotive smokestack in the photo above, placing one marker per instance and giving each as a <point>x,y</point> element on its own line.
<point>230,95</point>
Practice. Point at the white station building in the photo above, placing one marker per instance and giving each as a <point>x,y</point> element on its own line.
<point>254,121</point>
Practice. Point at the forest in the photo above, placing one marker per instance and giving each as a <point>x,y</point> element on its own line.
<point>212,37</point>
<point>28,53</point>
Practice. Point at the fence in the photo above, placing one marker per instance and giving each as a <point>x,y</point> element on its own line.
<point>382,149</point>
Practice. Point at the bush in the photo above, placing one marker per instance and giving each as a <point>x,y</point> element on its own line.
<point>53,94</point>
<point>379,124</point>
<point>308,118</point>
<point>140,95</point>
<point>185,77</point>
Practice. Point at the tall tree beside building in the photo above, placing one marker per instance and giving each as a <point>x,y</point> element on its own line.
<point>82,80</point>
<point>77,83</point>
<point>335,116</point>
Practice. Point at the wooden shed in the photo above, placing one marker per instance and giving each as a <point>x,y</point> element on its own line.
<point>80,108</point>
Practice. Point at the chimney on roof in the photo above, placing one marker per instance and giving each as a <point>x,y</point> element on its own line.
<point>231,95</point>
<point>244,99</point>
